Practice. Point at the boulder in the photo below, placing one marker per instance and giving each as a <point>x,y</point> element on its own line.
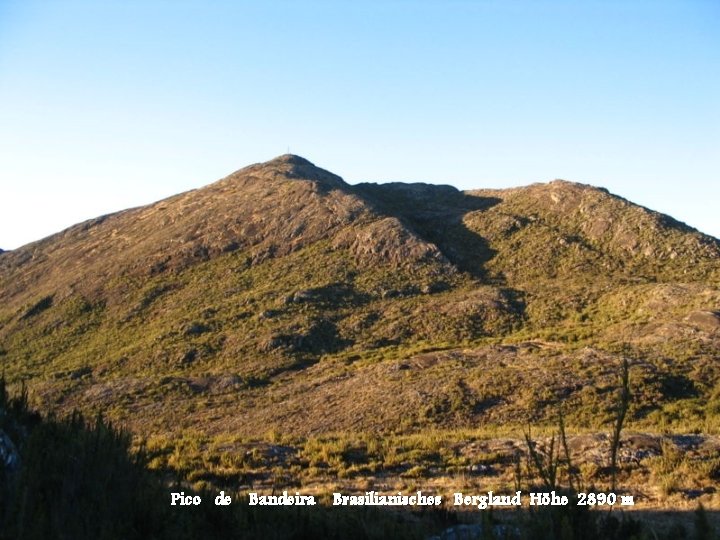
<point>705,320</point>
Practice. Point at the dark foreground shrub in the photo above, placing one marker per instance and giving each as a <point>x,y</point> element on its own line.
<point>78,479</point>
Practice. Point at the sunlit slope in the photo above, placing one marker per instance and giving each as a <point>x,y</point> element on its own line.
<point>283,298</point>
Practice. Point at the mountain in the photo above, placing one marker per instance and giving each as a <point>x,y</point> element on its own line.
<point>282,299</point>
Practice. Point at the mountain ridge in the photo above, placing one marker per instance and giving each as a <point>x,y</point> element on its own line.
<point>281,276</point>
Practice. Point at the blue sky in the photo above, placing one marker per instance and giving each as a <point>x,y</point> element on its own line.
<point>111,104</point>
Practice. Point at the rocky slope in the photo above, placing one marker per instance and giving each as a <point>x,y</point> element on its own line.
<point>283,298</point>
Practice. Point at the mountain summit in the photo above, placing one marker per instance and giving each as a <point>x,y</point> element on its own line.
<point>292,166</point>
<point>281,288</point>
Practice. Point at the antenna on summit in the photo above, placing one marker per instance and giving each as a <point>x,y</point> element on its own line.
<point>288,149</point>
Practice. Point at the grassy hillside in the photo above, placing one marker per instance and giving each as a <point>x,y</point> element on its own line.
<point>282,305</point>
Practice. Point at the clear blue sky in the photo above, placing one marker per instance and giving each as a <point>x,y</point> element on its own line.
<point>110,104</point>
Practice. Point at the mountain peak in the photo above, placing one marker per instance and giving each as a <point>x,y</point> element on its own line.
<point>292,166</point>
<point>292,159</point>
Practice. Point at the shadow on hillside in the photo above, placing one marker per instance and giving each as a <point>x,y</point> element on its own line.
<point>436,214</point>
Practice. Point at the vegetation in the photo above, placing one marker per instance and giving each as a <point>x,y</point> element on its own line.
<point>283,328</point>
<point>79,479</point>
